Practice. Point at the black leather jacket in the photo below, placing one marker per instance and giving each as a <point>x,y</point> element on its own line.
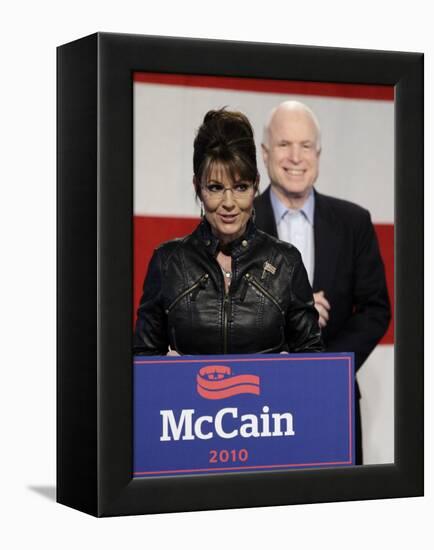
<point>269,307</point>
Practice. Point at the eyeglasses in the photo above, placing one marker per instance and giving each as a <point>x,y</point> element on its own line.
<point>240,190</point>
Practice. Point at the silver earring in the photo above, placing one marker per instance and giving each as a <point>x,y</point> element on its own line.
<point>202,215</point>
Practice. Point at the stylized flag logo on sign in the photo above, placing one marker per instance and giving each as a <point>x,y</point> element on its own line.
<point>218,382</point>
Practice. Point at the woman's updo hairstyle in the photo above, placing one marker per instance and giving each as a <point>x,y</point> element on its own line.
<point>225,138</point>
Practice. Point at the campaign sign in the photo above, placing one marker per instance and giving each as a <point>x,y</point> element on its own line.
<point>234,413</point>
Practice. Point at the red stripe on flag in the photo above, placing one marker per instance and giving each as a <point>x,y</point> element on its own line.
<point>326,89</point>
<point>386,240</point>
<point>151,231</point>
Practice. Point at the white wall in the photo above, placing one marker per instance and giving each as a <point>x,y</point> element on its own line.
<point>356,159</point>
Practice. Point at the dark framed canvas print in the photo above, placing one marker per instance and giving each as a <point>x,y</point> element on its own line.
<point>203,360</point>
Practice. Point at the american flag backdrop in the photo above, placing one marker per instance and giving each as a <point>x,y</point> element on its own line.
<point>357,164</point>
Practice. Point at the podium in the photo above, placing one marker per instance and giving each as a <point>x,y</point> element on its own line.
<point>197,415</point>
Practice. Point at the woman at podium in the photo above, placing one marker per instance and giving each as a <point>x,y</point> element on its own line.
<point>227,288</point>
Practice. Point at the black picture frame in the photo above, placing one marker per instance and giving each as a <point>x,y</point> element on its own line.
<point>95,205</point>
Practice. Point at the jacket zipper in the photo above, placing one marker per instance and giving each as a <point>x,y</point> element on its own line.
<point>226,305</point>
<point>250,279</point>
<point>226,313</point>
<point>185,292</point>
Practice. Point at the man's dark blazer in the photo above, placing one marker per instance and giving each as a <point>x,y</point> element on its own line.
<point>348,268</point>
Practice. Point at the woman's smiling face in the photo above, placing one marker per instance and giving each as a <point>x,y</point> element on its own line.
<point>227,202</point>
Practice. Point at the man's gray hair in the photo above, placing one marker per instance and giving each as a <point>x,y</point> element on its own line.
<point>292,105</point>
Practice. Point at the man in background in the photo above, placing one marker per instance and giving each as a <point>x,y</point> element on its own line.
<point>336,238</point>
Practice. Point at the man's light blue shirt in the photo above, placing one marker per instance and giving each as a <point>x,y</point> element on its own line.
<point>296,227</point>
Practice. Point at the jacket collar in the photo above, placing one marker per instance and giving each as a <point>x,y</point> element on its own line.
<point>235,248</point>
